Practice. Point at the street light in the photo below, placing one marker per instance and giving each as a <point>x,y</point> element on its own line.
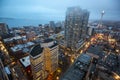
<point>57,78</point>
<point>59,71</point>
<point>117,50</point>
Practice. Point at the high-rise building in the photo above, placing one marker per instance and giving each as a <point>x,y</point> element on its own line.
<point>44,59</point>
<point>37,62</point>
<point>75,26</point>
<point>4,29</point>
<point>51,55</point>
<point>52,24</point>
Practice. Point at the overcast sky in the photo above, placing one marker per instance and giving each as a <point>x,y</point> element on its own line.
<point>55,9</point>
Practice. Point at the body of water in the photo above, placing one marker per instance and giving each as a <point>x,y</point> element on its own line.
<point>22,22</point>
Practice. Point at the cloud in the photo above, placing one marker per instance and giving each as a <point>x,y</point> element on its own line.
<point>57,8</point>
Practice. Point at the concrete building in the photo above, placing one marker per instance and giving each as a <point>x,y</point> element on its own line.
<point>37,62</point>
<point>52,25</point>
<point>91,30</point>
<point>75,26</point>
<point>51,55</point>
<point>30,36</point>
<point>25,61</point>
<point>4,29</point>
<point>44,59</point>
<point>78,70</point>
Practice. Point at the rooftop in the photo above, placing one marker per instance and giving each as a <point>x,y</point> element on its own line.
<point>14,38</point>
<point>55,44</point>
<point>21,46</point>
<point>36,50</point>
<point>7,70</point>
<point>48,40</point>
<point>25,61</point>
<point>74,75</point>
<point>96,50</point>
<point>76,72</point>
<point>84,58</point>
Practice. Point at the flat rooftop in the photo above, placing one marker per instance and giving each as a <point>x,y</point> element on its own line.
<point>84,58</point>
<point>96,50</point>
<point>55,44</point>
<point>14,38</point>
<point>74,75</point>
<point>25,61</point>
<point>75,72</point>
<point>22,46</point>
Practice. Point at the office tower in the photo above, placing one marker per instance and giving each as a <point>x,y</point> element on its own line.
<point>37,62</point>
<point>51,55</point>
<point>52,24</point>
<point>44,59</point>
<point>4,29</point>
<point>75,26</point>
<point>58,27</point>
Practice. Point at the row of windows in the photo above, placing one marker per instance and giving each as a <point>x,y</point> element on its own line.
<point>38,60</point>
<point>54,48</point>
<point>38,67</point>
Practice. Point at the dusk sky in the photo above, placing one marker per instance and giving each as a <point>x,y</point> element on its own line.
<point>55,9</point>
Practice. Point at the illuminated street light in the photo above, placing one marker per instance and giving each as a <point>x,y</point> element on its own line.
<point>72,60</point>
<point>59,71</point>
<point>57,78</point>
<point>117,50</point>
<point>81,51</point>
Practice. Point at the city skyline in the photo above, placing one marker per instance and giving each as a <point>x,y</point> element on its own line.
<point>60,40</point>
<point>55,10</point>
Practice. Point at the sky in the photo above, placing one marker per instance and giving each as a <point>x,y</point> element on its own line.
<point>56,9</point>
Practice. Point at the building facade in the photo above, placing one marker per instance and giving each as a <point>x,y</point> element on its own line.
<point>52,25</point>
<point>44,59</point>
<point>51,55</point>
<point>37,62</point>
<point>4,29</point>
<point>75,25</point>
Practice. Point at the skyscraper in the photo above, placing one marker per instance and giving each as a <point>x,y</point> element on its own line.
<point>51,55</point>
<point>37,62</point>
<point>4,29</point>
<point>52,25</point>
<point>44,59</point>
<point>75,26</point>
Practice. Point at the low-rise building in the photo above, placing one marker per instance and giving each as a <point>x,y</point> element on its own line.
<point>79,68</point>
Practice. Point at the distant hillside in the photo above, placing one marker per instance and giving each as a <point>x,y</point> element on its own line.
<point>110,23</point>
